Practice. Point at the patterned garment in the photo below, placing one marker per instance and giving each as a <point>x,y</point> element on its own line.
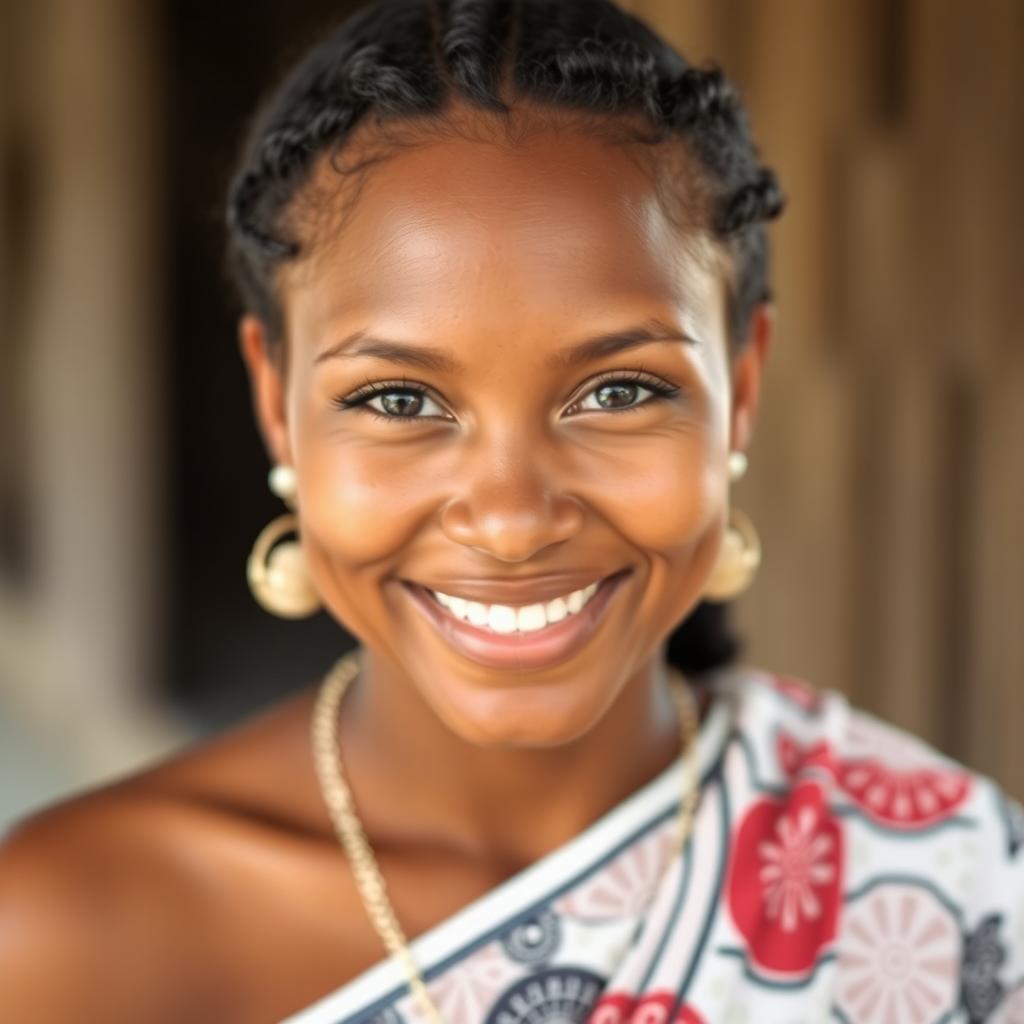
<point>839,870</point>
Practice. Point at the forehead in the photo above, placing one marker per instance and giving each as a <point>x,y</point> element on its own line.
<point>477,226</point>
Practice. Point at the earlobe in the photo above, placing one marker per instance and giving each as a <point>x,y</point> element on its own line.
<point>267,386</point>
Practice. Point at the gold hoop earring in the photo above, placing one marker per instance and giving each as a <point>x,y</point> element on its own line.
<point>279,576</point>
<point>738,559</point>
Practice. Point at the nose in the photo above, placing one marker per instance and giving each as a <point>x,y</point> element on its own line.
<point>513,505</point>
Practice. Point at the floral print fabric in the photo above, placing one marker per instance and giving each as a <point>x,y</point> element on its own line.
<point>838,870</point>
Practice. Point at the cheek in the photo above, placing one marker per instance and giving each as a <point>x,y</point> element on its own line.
<point>362,504</point>
<point>670,496</point>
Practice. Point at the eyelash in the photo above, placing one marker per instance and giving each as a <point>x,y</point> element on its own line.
<point>359,398</point>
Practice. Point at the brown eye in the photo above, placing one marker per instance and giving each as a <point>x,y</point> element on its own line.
<point>399,403</point>
<point>391,402</point>
<point>614,396</point>
<point>620,392</point>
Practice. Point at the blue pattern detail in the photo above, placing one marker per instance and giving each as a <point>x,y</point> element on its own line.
<point>558,995</point>
<point>534,940</point>
<point>981,991</point>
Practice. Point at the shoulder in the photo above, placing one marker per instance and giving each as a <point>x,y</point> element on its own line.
<point>90,892</point>
<point>844,825</point>
<point>111,891</point>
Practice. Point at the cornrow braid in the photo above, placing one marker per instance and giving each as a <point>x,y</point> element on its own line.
<point>758,200</point>
<point>405,60</point>
<point>471,38</point>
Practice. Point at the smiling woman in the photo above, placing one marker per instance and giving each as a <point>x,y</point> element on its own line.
<point>569,422</point>
<point>507,316</point>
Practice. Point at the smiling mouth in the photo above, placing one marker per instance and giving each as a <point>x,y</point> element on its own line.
<point>518,636</point>
<point>498,617</point>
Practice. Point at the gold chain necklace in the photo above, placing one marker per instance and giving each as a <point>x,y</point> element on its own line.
<point>346,822</point>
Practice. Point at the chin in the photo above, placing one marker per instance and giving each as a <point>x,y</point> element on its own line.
<point>523,718</point>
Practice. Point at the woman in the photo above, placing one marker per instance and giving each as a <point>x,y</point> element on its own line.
<point>507,316</point>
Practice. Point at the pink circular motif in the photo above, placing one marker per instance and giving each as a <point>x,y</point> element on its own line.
<point>626,886</point>
<point>899,958</point>
<point>650,1008</point>
<point>467,993</point>
<point>785,879</point>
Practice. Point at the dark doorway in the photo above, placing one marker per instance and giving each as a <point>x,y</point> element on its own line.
<point>226,656</point>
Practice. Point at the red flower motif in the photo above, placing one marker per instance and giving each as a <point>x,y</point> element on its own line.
<point>903,799</point>
<point>894,780</point>
<point>785,879</point>
<point>650,1008</point>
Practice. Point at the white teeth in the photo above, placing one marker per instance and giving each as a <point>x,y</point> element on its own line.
<point>477,613</point>
<point>503,618</point>
<point>531,617</point>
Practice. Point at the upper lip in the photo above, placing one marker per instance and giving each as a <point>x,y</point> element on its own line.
<point>521,591</point>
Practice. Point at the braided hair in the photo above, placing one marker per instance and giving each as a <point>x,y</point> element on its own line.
<point>405,62</point>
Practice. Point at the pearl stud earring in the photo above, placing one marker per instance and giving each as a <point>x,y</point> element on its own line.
<point>283,483</point>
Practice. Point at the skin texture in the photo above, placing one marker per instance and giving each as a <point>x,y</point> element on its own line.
<point>221,860</point>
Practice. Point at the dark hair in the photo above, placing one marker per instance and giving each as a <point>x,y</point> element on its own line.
<point>406,61</point>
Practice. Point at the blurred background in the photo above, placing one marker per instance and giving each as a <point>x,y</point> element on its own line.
<point>887,474</point>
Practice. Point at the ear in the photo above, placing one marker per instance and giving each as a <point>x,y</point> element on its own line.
<point>747,374</point>
<point>266,381</point>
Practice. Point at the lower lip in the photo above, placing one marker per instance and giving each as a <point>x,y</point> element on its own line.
<point>545,647</point>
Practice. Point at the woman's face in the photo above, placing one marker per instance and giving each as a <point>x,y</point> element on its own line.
<point>536,460</point>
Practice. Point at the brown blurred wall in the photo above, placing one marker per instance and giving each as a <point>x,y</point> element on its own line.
<point>81,467</point>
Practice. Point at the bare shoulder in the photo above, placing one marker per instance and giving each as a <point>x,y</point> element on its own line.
<point>91,894</point>
<point>113,903</point>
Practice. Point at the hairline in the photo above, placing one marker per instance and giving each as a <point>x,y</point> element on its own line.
<point>683,188</point>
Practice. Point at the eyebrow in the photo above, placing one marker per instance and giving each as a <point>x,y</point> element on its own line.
<point>361,344</point>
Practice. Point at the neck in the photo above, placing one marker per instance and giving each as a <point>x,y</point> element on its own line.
<point>416,781</point>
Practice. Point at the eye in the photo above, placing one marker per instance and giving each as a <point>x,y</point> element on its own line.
<point>403,402</point>
<point>397,402</point>
<point>617,392</point>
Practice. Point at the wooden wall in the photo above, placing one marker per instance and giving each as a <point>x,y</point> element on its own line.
<point>81,452</point>
<point>887,475</point>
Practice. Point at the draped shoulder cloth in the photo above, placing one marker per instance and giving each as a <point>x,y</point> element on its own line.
<point>839,869</point>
